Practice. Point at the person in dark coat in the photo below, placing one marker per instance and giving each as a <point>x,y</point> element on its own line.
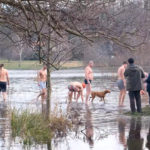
<point>134,75</point>
<point>148,86</point>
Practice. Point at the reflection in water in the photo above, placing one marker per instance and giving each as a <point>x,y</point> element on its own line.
<point>148,140</point>
<point>135,142</point>
<point>121,129</point>
<point>4,127</point>
<point>89,126</point>
<point>49,146</point>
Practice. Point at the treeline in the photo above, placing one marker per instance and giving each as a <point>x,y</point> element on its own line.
<point>117,30</point>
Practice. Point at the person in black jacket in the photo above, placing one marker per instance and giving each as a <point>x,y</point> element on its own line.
<point>134,75</point>
<point>148,86</point>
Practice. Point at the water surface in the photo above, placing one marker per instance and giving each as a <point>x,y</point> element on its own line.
<point>97,126</point>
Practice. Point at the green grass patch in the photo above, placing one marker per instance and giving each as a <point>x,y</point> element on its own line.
<point>25,65</point>
<point>145,112</point>
<point>35,65</point>
<point>33,128</point>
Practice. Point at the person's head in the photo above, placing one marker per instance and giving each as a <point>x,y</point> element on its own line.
<point>1,66</point>
<point>83,85</point>
<point>44,67</point>
<point>91,63</point>
<point>131,61</point>
<point>125,64</point>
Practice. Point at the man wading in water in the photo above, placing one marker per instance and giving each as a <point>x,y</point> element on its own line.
<point>88,79</point>
<point>4,80</point>
<point>42,78</point>
<point>121,83</point>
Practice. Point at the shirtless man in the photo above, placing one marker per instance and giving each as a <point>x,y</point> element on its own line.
<point>121,83</point>
<point>4,80</point>
<point>76,87</point>
<point>42,78</point>
<point>88,79</point>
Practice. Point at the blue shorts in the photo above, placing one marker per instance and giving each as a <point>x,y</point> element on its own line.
<point>120,84</point>
<point>42,85</point>
<point>86,82</point>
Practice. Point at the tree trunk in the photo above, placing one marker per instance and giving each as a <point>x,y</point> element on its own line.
<point>48,102</point>
<point>20,57</point>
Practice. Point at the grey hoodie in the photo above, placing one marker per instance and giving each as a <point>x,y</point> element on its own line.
<point>133,75</point>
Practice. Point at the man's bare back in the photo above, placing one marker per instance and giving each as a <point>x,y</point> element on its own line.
<point>4,75</point>
<point>120,73</point>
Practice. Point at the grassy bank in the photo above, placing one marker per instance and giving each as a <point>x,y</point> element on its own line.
<point>32,128</point>
<point>145,112</point>
<point>34,65</point>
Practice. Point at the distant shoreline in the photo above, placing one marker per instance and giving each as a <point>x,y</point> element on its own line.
<point>35,65</point>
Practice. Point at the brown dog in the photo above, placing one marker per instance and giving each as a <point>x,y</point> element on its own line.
<point>99,94</point>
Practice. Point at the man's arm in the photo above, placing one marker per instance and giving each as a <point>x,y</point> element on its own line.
<point>142,74</point>
<point>126,73</point>
<point>7,77</point>
<point>38,76</point>
<point>82,96</point>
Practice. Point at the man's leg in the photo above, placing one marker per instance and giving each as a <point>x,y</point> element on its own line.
<point>123,96</point>
<point>88,91</point>
<point>70,96</point>
<point>75,95</point>
<point>132,102</point>
<point>4,95</point>
<point>138,100</point>
<point>120,96</point>
<point>79,93</point>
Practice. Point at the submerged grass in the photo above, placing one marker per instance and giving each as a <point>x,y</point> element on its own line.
<point>145,112</point>
<point>32,128</point>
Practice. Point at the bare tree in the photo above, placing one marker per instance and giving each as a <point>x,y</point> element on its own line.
<point>51,26</point>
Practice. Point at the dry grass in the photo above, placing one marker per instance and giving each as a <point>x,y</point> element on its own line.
<point>32,128</point>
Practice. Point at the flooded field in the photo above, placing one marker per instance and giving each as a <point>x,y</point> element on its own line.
<point>97,126</point>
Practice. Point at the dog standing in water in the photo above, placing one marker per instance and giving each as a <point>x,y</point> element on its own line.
<point>99,94</point>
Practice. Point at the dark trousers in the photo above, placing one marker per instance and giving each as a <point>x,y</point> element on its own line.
<point>149,96</point>
<point>135,96</point>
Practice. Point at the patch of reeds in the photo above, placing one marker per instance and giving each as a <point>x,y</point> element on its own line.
<point>33,128</point>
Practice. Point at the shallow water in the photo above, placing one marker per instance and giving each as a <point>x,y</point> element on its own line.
<point>97,126</point>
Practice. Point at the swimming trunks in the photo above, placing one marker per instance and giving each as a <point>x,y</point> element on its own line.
<point>86,82</point>
<point>42,85</point>
<point>3,86</point>
<point>71,88</point>
<point>120,84</point>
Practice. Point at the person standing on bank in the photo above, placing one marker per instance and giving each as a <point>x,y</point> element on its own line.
<point>134,75</point>
<point>88,79</point>
<point>4,81</point>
